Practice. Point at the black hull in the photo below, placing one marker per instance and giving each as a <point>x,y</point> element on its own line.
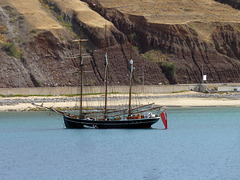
<point>120,124</point>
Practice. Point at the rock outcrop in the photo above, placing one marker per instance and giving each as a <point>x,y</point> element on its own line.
<point>234,3</point>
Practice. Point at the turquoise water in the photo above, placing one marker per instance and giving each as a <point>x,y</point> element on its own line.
<point>200,143</point>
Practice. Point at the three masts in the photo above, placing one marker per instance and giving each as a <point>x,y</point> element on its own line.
<point>105,77</point>
<point>139,117</point>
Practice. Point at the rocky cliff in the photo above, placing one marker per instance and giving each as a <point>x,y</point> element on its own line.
<point>234,3</point>
<point>174,42</point>
<point>194,36</point>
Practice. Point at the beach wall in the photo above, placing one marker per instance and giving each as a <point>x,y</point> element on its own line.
<point>117,89</point>
<point>228,89</point>
<point>95,89</point>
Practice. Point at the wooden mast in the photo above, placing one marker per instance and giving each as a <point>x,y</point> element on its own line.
<point>106,76</point>
<point>131,71</point>
<point>81,77</point>
<point>81,57</point>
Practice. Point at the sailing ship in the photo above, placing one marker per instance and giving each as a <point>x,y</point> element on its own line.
<point>137,117</point>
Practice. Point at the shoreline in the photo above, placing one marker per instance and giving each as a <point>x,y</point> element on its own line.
<point>167,100</point>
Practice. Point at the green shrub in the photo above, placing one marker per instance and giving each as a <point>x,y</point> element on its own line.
<point>162,60</point>
<point>138,80</point>
<point>169,68</point>
<point>11,49</point>
<point>157,56</point>
<point>34,31</point>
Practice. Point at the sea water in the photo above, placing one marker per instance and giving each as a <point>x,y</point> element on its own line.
<point>200,143</point>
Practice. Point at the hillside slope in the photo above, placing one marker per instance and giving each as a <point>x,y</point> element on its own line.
<point>174,41</point>
<point>194,35</point>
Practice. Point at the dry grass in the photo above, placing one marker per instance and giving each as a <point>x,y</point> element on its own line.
<point>35,14</point>
<point>84,13</point>
<point>37,17</point>
<point>201,15</point>
<point>40,19</point>
<point>175,11</point>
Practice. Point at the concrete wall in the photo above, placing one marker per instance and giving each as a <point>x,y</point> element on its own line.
<point>228,89</point>
<point>95,89</point>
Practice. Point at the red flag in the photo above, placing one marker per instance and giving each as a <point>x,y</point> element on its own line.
<point>164,118</point>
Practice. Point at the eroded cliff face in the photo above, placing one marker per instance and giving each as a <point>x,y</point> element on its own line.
<point>36,52</point>
<point>32,46</point>
<point>167,49</point>
<point>197,45</point>
<point>216,53</point>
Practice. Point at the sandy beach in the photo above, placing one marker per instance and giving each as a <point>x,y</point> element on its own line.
<point>167,100</point>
